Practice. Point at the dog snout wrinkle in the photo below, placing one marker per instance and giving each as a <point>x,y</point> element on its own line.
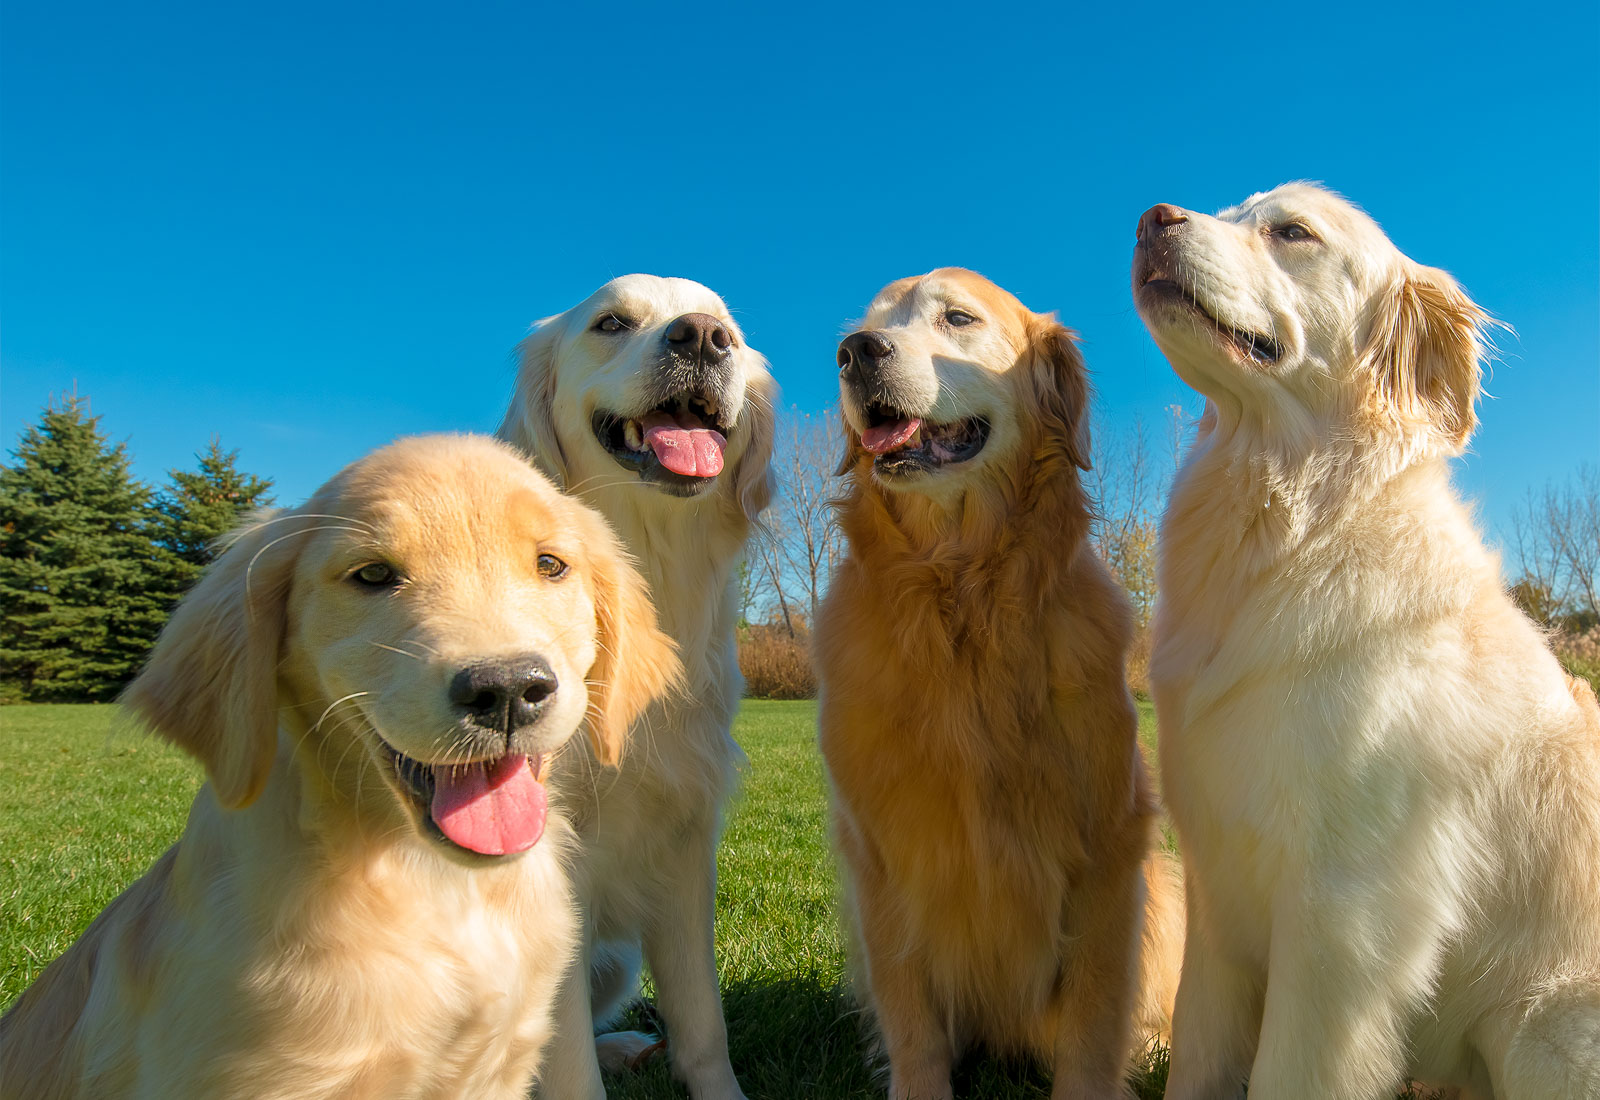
<point>505,695</point>
<point>1158,219</point>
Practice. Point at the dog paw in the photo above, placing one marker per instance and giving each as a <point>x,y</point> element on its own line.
<point>625,1051</point>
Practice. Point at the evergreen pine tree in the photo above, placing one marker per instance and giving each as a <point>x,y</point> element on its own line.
<point>197,508</point>
<point>77,614</point>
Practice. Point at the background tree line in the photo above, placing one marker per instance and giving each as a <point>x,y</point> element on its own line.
<point>92,560</point>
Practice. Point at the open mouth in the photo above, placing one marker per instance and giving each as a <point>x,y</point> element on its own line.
<point>905,446</point>
<point>494,807</point>
<point>1254,346</point>
<point>677,445</point>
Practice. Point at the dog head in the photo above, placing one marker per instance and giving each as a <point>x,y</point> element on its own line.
<point>949,376</point>
<point>437,615</point>
<point>1294,306</point>
<point>648,380</point>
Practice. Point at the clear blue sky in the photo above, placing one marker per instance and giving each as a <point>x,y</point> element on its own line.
<point>310,228</point>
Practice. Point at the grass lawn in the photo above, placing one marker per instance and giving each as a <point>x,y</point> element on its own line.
<point>88,808</point>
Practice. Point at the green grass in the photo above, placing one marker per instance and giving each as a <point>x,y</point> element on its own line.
<point>88,809</point>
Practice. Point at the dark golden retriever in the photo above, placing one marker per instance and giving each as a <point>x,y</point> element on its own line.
<point>990,800</point>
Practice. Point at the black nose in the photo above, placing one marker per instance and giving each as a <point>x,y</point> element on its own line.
<point>699,336</point>
<point>1159,218</point>
<point>504,695</point>
<point>861,354</point>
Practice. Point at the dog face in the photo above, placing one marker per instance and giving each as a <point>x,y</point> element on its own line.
<point>949,375</point>
<point>437,614</point>
<point>648,379</point>
<point>1295,300</point>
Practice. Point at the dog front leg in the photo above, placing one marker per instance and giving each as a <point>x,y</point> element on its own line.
<point>570,1069</point>
<point>1341,982</point>
<point>679,945</point>
<point>1216,1021</point>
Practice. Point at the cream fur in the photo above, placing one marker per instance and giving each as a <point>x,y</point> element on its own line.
<point>305,937</point>
<point>649,830</point>
<point>1386,790</point>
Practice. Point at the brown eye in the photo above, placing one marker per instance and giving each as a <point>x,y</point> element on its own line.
<point>610,322</point>
<point>1294,231</point>
<point>376,575</point>
<point>959,318</point>
<point>552,567</point>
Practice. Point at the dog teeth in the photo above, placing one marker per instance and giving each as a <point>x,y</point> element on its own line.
<point>633,436</point>
<point>710,405</point>
<point>916,439</point>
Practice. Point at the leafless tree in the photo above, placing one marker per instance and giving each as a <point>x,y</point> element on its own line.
<point>1557,538</point>
<point>1127,487</point>
<point>803,543</point>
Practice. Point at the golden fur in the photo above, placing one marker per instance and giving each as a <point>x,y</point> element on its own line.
<point>990,800</point>
<point>1386,790</point>
<point>305,937</point>
<point>646,871</point>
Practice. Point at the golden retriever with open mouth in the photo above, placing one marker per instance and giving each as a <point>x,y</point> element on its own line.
<point>368,899</point>
<point>990,801</point>
<point>646,401</point>
<point>1386,790</point>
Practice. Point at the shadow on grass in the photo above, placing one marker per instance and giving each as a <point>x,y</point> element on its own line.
<point>801,1036</point>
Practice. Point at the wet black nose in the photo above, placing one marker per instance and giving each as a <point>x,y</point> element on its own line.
<point>1159,218</point>
<point>862,355</point>
<point>506,694</point>
<point>699,336</point>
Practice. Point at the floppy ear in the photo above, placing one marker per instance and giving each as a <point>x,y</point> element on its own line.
<point>211,684</point>
<point>530,421</point>
<point>1060,385</point>
<point>754,482</point>
<point>635,663</point>
<point>1424,354</point>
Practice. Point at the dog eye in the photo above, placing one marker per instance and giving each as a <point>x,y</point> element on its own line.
<point>552,567</point>
<point>610,322</point>
<point>376,575</point>
<point>960,318</point>
<point>1294,231</point>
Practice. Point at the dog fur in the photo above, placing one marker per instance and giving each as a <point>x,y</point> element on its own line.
<point>648,833</point>
<point>1387,792</point>
<point>309,935</point>
<point>990,801</point>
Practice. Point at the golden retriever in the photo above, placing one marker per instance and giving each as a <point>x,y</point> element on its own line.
<point>646,401</point>
<point>368,899</point>
<point>990,800</point>
<point>1386,790</point>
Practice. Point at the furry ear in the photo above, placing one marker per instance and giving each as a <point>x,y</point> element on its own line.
<point>530,421</point>
<point>211,684</point>
<point>1060,384</point>
<point>635,663</point>
<point>754,481</point>
<point>1424,353</point>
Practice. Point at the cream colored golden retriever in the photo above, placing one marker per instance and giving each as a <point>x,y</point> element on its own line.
<point>368,899</point>
<point>990,802</point>
<point>1387,792</point>
<point>646,401</point>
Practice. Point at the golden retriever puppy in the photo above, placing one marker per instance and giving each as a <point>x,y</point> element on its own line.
<point>646,401</point>
<point>990,801</point>
<point>368,899</point>
<point>1386,791</point>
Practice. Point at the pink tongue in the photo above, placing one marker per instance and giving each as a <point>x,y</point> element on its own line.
<point>684,446</point>
<point>494,807</point>
<point>888,437</point>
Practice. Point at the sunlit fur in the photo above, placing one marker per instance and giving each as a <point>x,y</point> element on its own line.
<point>649,832</point>
<point>990,802</point>
<point>304,937</point>
<point>1387,792</point>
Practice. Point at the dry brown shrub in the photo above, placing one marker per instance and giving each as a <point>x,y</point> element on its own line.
<point>776,665</point>
<point>1139,662</point>
<point>1580,653</point>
